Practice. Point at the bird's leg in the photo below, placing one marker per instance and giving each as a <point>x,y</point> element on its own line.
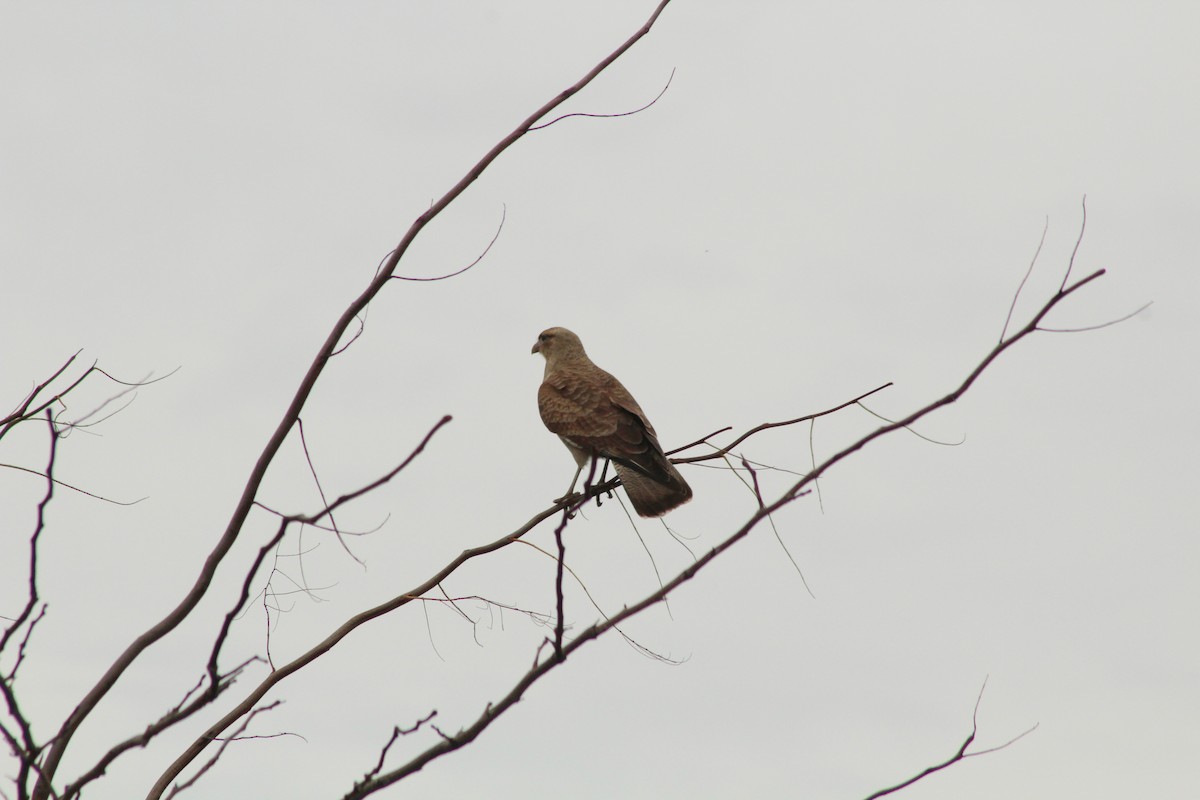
<point>574,479</point>
<point>603,478</point>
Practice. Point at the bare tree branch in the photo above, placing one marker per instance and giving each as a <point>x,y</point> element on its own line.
<point>190,782</point>
<point>959,755</point>
<point>397,732</point>
<point>567,505</point>
<point>32,407</point>
<point>41,763</point>
<point>27,750</point>
<point>66,485</point>
<point>450,743</point>
<point>1099,326</point>
<point>767,426</point>
<point>638,110</point>
<point>23,412</point>
<point>1021,286</point>
<point>39,526</point>
<point>204,580</point>
<point>180,712</point>
<point>456,273</point>
<point>312,468</point>
<point>1078,242</point>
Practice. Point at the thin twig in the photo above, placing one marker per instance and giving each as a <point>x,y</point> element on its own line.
<point>397,732</point>
<point>500,227</point>
<point>657,97</point>
<point>720,452</point>
<point>26,749</point>
<point>1108,324</point>
<point>1020,286</point>
<point>540,669</point>
<point>66,485</point>
<point>190,782</point>
<point>324,502</point>
<point>959,755</point>
<point>1078,242</point>
<point>183,609</point>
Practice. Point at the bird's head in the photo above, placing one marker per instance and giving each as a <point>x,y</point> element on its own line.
<point>556,344</point>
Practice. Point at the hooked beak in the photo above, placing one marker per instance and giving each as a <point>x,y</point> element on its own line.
<point>537,348</point>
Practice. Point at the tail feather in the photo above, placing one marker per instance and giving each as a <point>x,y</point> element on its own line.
<point>652,498</point>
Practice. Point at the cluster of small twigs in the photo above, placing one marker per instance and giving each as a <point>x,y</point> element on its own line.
<point>39,762</point>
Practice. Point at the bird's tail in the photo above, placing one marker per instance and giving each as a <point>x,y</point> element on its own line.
<point>652,498</point>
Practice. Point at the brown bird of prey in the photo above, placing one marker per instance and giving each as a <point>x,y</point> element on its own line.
<point>597,417</point>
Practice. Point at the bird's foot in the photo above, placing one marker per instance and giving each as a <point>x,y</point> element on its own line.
<point>567,500</point>
<point>568,497</point>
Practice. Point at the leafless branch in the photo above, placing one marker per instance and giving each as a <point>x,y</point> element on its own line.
<point>26,748</point>
<point>636,645</point>
<point>241,715</point>
<point>1078,242</point>
<point>85,420</point>
<point>225,543</point>
<point>66,485</point>
<point>1108,324</point>
<point>284,523</point>
<point>39,526</point>
<point>32,406</point>
<point>312,469</point>
<point>243,597</point>
<point>187,707</point>
<point>190,782</point>
<point>493,710</point>
<point>754,480</point>
<point>503,216</point>
<point>753,486</point>
<point>959,755</point>
<point>929,439</point>
<point>560,617</point>
<point>1021,286</point>
<point>701,440</point>
<point>375,484</point>
<point>645,548</point>
<point>657,97</point>
<point>720,452</point>
<point>324,502</point>
<point>537,617</point>
<point>397,732</point>
<point>12,673</point>
<point>23,411</point>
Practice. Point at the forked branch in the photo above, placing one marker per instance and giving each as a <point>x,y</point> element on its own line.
<point>203,581</point>
<point>450,743</point>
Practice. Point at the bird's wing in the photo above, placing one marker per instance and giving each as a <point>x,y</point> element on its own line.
<point>592,410</point>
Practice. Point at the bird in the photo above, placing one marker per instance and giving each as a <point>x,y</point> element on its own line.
<point>596,417</point>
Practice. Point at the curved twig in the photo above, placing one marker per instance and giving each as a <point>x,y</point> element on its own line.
<point>959,755</point>
<point>200,586</point>
<point>657,97</point>
<point>478,258</point>
<point>493,710</point>
<point>1012,307</point>
<point>720,452</point>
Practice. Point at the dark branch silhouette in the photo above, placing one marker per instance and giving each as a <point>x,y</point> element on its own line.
<point>722,451</point>
<point>456,273</point>
<point>959,755</point>
<point>449,743</point>
<point>203,581</point>
<point>40,763</point>
<point>22,742</point>
<point>638,110</point>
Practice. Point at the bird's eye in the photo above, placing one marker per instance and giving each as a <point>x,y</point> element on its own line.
<point>543,337</point>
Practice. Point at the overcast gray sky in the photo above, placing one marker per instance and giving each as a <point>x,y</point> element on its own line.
<point>830,196</point>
